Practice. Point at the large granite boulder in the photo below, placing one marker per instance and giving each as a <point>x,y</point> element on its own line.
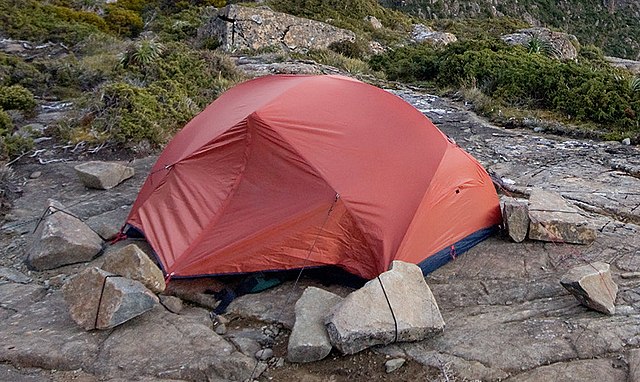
<point>405,310</point>
<point>248,28</point>
<point>554,219</point>
<point>562,45</point>
<point>593,286</point>
<point>61,239</point>
<point>103,175</point>
<point>309,340</point>
<point>101,300</point>
<point>131,262</point>
<point>623,63</point>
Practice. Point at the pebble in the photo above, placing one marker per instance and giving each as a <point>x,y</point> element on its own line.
<point>626,141</point>
<point>394,364</point>
<point>264,354</point>
<point>35,174</point>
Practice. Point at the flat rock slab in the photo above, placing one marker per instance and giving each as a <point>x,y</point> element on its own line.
<point>554,219</point>
<point>601,370</point>
<point>62,239</point>
<point>103,175</point>
<point>133,263</point>
<point>365,318</point>
<point>113,299</point>
<point>13,275</point>
<point>309,340</point>
<point>157,346</point>
<point>515,217</point>
<point>593,286</point>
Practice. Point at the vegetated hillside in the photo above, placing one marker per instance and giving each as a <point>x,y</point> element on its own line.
<point>613,25</point>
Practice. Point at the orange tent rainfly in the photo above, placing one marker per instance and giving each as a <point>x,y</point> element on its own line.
<point>285,172</point>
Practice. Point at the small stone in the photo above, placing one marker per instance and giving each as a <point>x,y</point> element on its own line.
<point>363,319</point>
<point>62,239</point>
<point>35,175</point>
<point>375,23</point>
<point>103,175</point>
<point>393,364</point>
<point>246,346</point>
<point>172,303</point>
<point>593,286</point>
<point>14,275</point>
<point>220,329</point>
<point>133,263</point>
<point>264,354</point>
<point>102,300</point>
<point>309,341</point>
<point>515,217</point>
<point>626,141</point>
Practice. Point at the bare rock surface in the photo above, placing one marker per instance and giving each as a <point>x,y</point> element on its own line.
<point>103,175</point>
<point>131,262</point>
<point>507,315</point>
<point>633,360</point>
<point>309,340</point>
<point>593,286</point>
<point>423,34</point>
<point>553,219</point>
<point>101,300</point>
<point>605,370</point>
<point>62,239</point>
<point>515,217</point>
<point>40,333</point>
<point>563,45</point>
<point>396,306</point>
<point>239,27</point>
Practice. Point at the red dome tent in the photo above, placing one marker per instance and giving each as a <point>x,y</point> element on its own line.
<point>285,172</point>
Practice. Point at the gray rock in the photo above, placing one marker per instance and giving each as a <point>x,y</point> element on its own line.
<point>108,224</point>
<point>220,329</point>
<point>626,141</point>
<point>103,175</point>
<point>246,346</point>
<point>631,65</point>
<point>364,318</point>
<point>113,299</point>
<point>242,28</point>
<point>560,45</point>
<point>62,239</point>
<point>593,286</point>
<point>264,354</point>
<point>633,360</point>
<point>35,175</point>
<point>131,262</point>
<point>375,23</point>
<point>309,340</point>
<point>14,275</point>
<point>422,33</point>
<point>394,364</point>
<point>554,219</point>
<point>172,303</point>
<point>515,217</point>
<point>603,370</point>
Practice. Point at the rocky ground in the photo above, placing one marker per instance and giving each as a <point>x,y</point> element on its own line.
<point>507,316</point>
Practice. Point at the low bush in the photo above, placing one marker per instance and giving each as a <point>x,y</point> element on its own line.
<point>514,77</point>
<point>16,97</point>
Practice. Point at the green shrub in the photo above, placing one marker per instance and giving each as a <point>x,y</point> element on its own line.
<point>349,48</point>
<point>142,53</point>
<point>6,125</point>
<point>16,97</point>
<point>14,145</point>
<point>39,22</point>
<point>73,16</point>
<point>123,21</point>
<point>513,77</point>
